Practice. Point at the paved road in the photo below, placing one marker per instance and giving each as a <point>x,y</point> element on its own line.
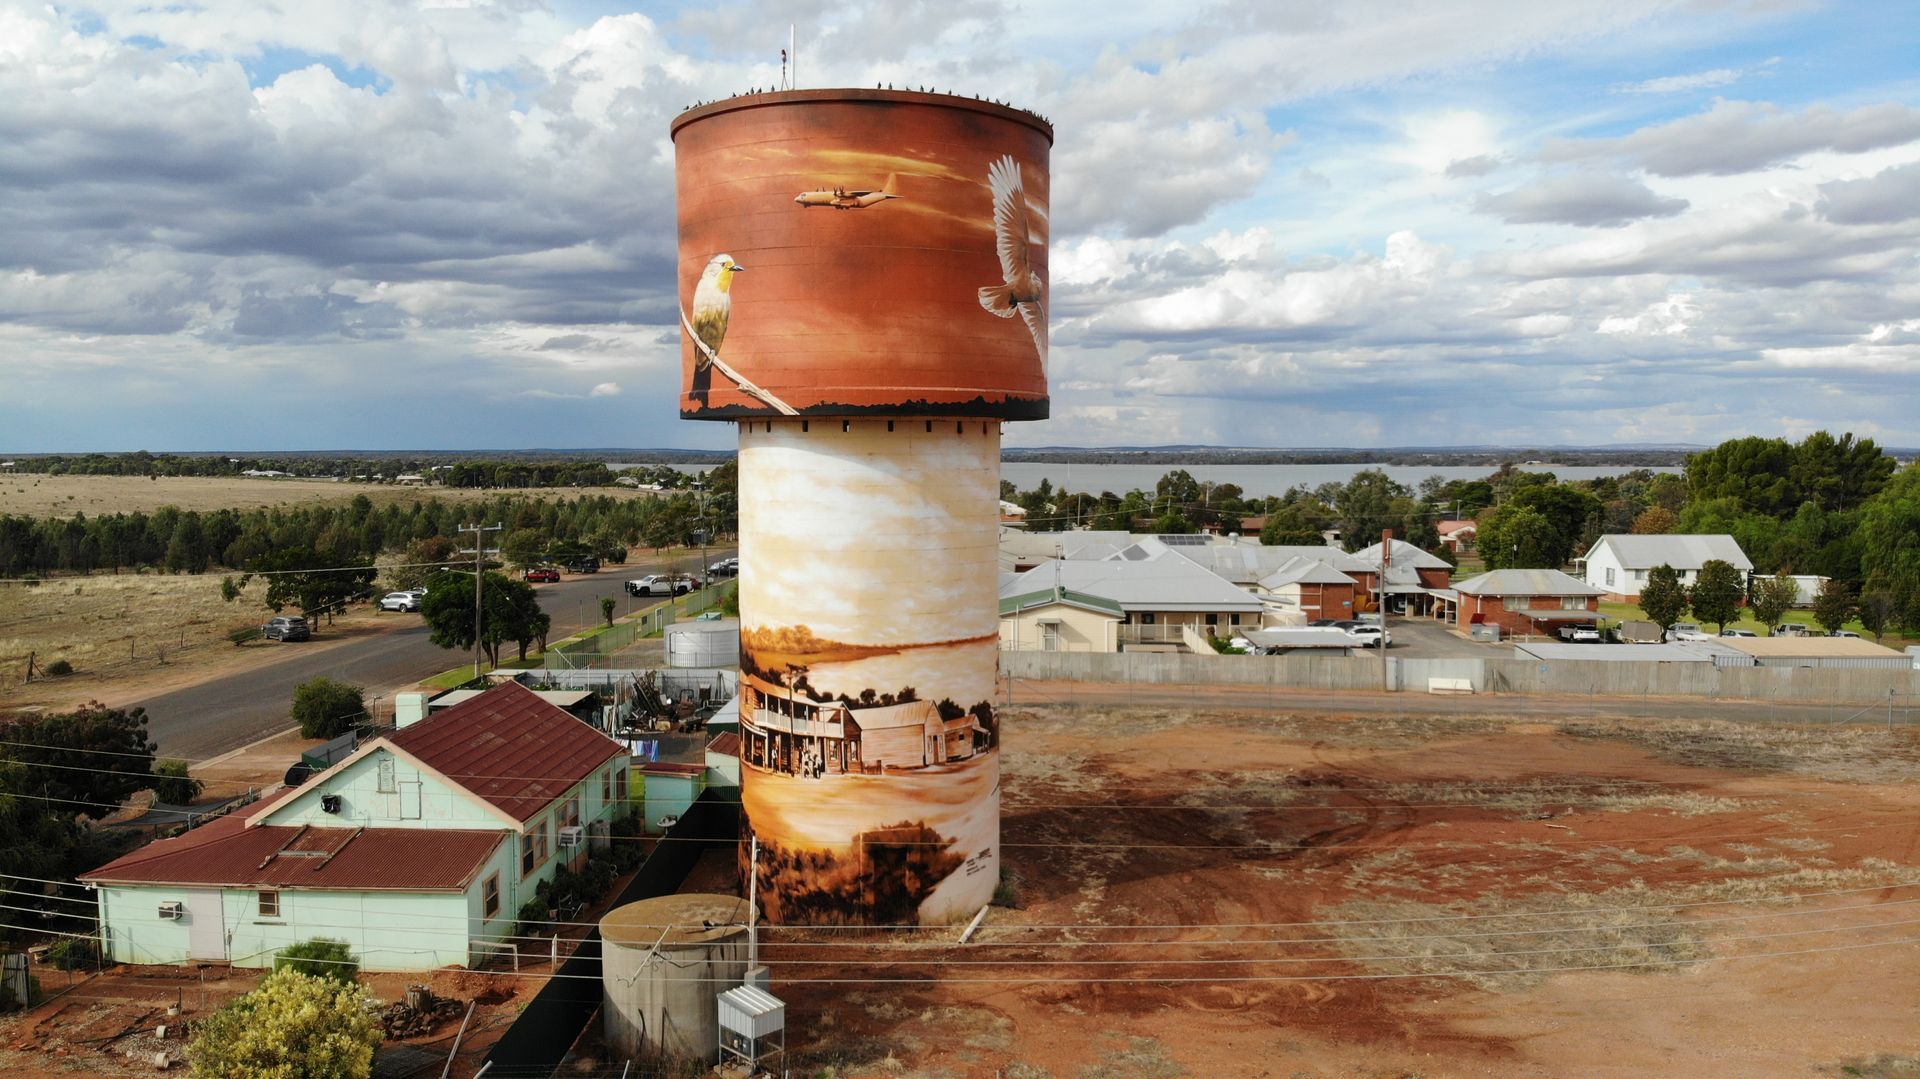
<point>210,719</point>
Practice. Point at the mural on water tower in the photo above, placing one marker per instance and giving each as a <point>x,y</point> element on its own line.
<point>868,337</point>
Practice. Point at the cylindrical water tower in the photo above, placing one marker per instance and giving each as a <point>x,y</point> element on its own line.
<point>662,963</point>
<point>863,291</point>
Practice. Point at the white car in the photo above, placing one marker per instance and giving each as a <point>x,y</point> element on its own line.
<point>1369,636</point>
<point>1844,633</point>
<point>1738,633</point>
<point>399,601</point>
<point>1687,631</point>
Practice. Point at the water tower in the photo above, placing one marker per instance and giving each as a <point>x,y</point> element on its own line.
<point>863,293</point>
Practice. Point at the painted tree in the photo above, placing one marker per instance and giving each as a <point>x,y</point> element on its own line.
<point>1833,605</point>
<point>1716,592</point>
<point>1662,599</point>
<point>295,1026</point>
<point>1773,597</point>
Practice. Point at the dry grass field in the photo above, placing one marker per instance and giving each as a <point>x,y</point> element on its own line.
<point>1219,893</point>
<point>63,496</point>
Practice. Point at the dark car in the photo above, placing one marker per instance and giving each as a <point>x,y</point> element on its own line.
<point>287,628</point>
<point>543,573</point>
<point>584,565</point>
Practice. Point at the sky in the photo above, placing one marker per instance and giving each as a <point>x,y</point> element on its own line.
<point>449,224</point>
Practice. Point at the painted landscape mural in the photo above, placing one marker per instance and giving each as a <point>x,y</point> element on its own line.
<point>870,756</point>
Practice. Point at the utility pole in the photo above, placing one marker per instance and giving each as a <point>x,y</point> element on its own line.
<point>1386,559</point>
<point>479,551</point>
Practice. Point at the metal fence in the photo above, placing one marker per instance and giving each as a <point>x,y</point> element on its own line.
<point>600,649</point>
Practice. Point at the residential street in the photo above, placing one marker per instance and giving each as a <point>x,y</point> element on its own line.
<point>215,717</point>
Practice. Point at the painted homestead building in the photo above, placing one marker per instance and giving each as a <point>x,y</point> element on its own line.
<point>1618,564</point>
<point>417,850</point>
<point>1527,601</point>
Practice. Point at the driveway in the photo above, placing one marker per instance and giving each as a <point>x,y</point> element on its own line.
<point>1424,638</point>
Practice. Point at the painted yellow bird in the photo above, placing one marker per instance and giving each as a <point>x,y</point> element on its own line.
<point>712,305</point>
<point>1021,294</point>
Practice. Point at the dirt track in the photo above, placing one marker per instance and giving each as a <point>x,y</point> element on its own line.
<point>1442,845</point>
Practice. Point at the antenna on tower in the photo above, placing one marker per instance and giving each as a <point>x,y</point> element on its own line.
<point>790,60</point>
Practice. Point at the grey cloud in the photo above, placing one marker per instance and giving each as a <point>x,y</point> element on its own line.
<point>1884,198</point>
<point>1741,136</point>
<point>1586,198</point>
<point>1477,165</point>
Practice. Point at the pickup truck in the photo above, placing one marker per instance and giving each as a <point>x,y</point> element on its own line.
<point>661,584</point>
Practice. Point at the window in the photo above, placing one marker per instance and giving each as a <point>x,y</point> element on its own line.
<point>606,787</point>
<point>1516,603</point>
<point>490,896</point>
<point>386,775</point>
<point>1147,618</point>
<point>1233,619</point>
<point>546,837</point>
<point>1049,637</point>
<point>1639,575</point>
<point>527,859</point>
<point>269,904</point>
<point>570,813</point>
<point>1573,603</point>
<point>1609,576</point>
<point>620,786</point>
<point>1212,619</point>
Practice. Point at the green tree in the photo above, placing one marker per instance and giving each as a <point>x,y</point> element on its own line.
<point>423,559</point>
<point>1369,502</point>
<point>1566,508</point>
<point>1290,526</point>
<point>331,960</point>
<point>187,549</point>
<point>173,784</point>
<point>1877,606</point>
<point>1172,522</point>
<point>1655,521</point>
<point>325,708</point>
<point>1178,488</point>
<point>1833,605</point>
<point>84,762</point>
<point>1517,537</point>
<point>1889,536</point>
<point>1662,599</point>
<point>1773,597</point>
<point>607,604</point>
<point>1717,589</point>
<point>510,611</point>
<point>315,583</point>
<point>295,1026</point>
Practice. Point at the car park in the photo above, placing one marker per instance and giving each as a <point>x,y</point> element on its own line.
<point>399,601</point>
<point>287,627</point>
<point>543,573</point>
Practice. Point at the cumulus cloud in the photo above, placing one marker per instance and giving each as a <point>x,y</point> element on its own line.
<point>1584,198</point>
<point>1673,84</point>
<point>1742,136</point>
<point>605,389</point>
<point>1888,196</point>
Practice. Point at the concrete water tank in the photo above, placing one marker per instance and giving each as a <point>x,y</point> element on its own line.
<point>663,969</point>
<point>704,644</point>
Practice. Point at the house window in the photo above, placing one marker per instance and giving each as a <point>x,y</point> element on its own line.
<point>546,837</point>
<point>1609,576</point>
<point>1639,575</point>
<point>386,775</point>
<point>527,858</point>
<point>1233,619</point>
<point>620,785</point>
<point>490,896</point>
<point>1212,619</point>
<point>1049,637</point>
<point>1515,603</point>
<point>571,812</point>
<point>1147,618</point>
<point>1573,603</point>
<point>269,904</point>
<point>606,787</point>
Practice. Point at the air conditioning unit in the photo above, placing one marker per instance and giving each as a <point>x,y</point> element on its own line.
<point>571,836</point>
<point>171,912</point>
<point>330,803</point>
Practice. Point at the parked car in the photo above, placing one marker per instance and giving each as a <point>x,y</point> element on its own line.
<point>1368,636</point>
<point>1687,631</point>
<point>1584,635</point>
<point>421,592</point>
<point>726,567</point>
<point>1319,622</point>
<point>1738,633</point>
<point>1792,629</point>
<point>584,565</point>
<point>399,601</point>
<point>1844,633</point>
<point>661,584</point>
<point>543,573</point>
<point>287,627</point>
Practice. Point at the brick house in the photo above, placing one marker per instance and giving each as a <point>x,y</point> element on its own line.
<point>1526,601</point>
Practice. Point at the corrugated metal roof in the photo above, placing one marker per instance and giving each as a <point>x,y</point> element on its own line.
<point>1030,600</point>
<point>750,1011</point>
<point>508,747</point>
<point>1404,554</point>
<point>726,743</point>
<point>227,853</point>
<point>1680,552</point>
<point>1525,582</point>
<point>1303,570</point>
<point>1614,653</point>
<point>1165,583</point>
<point>1812,647</point>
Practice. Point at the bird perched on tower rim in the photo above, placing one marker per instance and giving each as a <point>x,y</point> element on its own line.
<point>712,307</point>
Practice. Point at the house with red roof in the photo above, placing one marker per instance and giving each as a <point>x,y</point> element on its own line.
<point>418,850</point>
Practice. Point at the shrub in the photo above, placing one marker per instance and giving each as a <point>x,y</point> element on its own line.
<point>59,668</point>
<point>532,911</point>
<point>325,708</point>
<point>295,1026</point>
<point>319,958</point>
<point>173,785</point>
<point>74,953</point>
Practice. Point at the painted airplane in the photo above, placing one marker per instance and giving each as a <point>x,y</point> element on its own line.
<point>842,199</point>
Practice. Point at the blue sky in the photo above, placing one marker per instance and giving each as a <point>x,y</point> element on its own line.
<point>390,225</point>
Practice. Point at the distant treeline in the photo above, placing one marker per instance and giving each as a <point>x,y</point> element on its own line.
<point>187,541</point>
<point>1630,458</point>
<point>542,469</point>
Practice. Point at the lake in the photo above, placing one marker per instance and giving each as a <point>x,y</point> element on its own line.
<point>1258,481</point>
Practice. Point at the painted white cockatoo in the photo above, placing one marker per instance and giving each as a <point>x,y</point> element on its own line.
<point>1021,293</point>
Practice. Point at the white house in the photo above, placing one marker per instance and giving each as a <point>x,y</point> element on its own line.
<point>418,850</point>
<point>1617,564</point>
<point>1156,597</point>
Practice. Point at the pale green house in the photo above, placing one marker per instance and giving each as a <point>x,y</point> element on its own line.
<point>418,850</point>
